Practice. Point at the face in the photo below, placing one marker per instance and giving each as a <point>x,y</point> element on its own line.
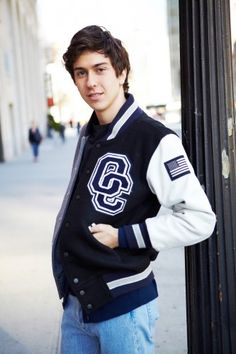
<point>98,84</point>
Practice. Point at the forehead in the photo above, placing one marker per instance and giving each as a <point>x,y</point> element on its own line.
<point>90,59</point>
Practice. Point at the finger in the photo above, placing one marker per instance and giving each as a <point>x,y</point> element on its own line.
<point>97,227</point>
<point>91,227</point>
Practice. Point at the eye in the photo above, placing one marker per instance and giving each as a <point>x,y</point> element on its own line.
<point>101,70</point>
<point>80,73</point>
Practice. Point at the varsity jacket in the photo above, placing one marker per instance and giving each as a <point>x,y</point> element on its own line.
<point>130,178</point>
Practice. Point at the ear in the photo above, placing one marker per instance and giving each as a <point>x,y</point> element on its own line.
<point>122,77</point>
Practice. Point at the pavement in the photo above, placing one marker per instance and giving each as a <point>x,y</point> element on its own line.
<point>30,311</point>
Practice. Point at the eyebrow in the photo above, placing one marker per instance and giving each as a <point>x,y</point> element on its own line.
<point>94,66</point>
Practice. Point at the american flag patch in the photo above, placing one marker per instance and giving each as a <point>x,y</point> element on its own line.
<point>177,167</point>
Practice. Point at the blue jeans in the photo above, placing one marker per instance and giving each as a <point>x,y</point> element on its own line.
<point>131,333</point>
<point>35,149</point>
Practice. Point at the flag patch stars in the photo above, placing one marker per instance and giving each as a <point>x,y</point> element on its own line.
<point>177,167</point>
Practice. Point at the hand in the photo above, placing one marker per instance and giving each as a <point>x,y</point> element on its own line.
<point>106,234</point>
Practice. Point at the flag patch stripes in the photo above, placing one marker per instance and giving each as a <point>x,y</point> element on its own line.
<point>177,167</point>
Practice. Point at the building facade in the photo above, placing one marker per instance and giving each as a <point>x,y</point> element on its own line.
<point>173,29</point>
<point>22,97</point>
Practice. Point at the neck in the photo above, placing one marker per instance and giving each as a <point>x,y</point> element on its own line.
<point>107,116</point>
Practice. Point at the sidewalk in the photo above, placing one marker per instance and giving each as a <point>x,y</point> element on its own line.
<point>30,195</point>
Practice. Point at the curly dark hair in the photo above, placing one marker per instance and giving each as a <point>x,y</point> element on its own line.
<point>98,39</point>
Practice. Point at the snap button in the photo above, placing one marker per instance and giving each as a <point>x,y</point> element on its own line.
<point>75,280</point>
<point>66,254</point>
<point>67,225</point>
<point>89,306</point>
<point>98,145</point>
<point>82,292</point>
<point>77,196</point>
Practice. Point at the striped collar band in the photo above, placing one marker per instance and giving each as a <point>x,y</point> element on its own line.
<point>126,115</point>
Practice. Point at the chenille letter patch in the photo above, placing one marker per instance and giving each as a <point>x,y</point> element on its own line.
<point>177,167</point>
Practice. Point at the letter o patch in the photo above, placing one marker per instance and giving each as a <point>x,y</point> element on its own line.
<point>110,183</point>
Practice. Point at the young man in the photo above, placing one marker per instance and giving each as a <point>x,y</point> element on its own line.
<point>110,227</point>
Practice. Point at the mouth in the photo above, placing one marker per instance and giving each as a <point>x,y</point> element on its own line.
<point>95,95</point>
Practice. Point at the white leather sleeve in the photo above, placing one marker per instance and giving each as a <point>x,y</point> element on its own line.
<point>190,218</point>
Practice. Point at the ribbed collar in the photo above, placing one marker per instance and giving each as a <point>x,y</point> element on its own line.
<point>129,112</point>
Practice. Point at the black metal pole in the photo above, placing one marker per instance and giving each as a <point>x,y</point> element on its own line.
<point>208,128</point>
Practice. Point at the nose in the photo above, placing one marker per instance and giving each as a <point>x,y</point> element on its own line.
<point>91,80</point>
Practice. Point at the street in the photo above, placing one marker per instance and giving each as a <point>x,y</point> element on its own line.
<point>30,195</point>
